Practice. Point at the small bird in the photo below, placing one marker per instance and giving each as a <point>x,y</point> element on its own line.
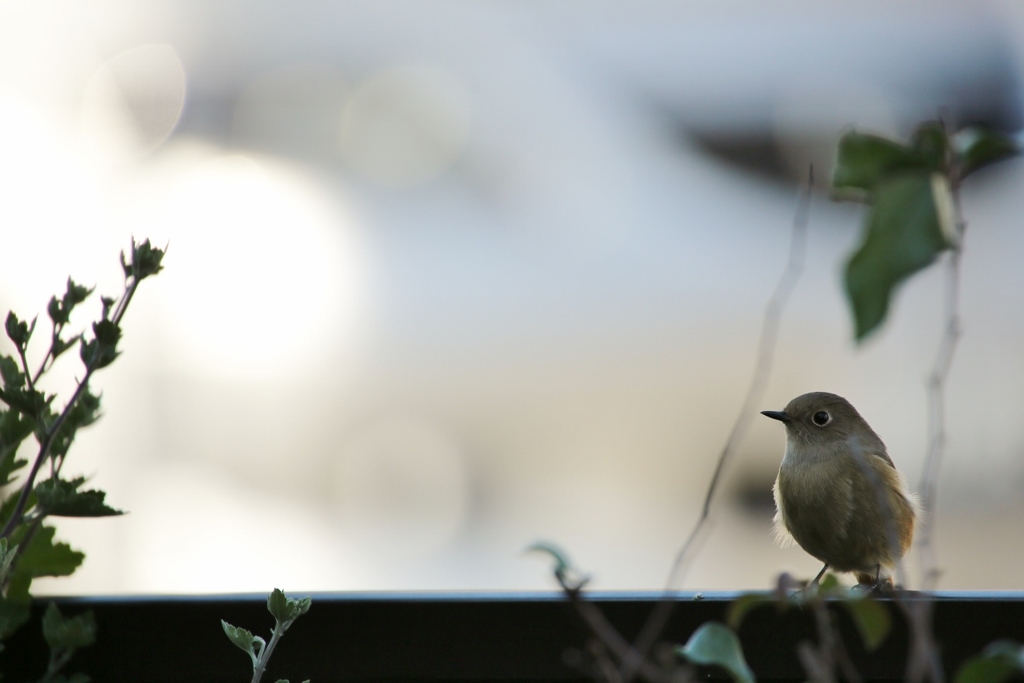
<point>838,493</point>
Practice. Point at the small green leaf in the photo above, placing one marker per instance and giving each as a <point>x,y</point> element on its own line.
<point>739,607</point>
<point>829,584</point>
<point>978,146</point>
<point>277,604</point>
<point>55,310</point>
<point>101,350</point>
<point>18,330</point>
<point>872,620</point>
<point>716,644</point>
<point>14,428</point>
<point>106,332</point>
<point>61,498</point>
<point>863,161</point>
<point>68,633</point>
<point>146,260</point>
<point>58,346</point>
<point>11,373</point>
<point>59,310</point>
<point>245,641</point>
<point>996,663</point>
<point>241,637</point>
<point>44,557</point>
<point>108,303</point>
<point>902,235</point>
<point>28,402</point>
<point>76,294</point>
<point>562,564</point>
<point>285,609</point>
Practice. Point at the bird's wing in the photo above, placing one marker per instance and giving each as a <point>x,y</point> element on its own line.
<point>884,456</point>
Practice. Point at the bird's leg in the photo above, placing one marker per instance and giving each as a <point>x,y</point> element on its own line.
<point>810,589</point>
<point>879,585</point>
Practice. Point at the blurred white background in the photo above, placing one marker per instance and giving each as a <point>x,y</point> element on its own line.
<point>448,278</point>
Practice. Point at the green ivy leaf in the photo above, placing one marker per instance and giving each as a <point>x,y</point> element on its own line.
<point>863,161</point>
<point>830,584</point>
<point>68,633</point>
<point>903,235</point>
<point>61,498</point>
<point>976,147</point>
<point>996,663</point>
<point>872,620</point>
<point>715,644</point>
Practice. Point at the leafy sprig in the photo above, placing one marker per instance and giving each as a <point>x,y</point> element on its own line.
<point>27,546</point>
<point>285,611</point>
<point>912,194</point>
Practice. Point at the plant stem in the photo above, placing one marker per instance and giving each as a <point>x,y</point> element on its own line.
<point>261,664</point>
<point>762,371</point>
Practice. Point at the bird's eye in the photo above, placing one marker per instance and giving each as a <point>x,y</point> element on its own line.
<point>821,418</point>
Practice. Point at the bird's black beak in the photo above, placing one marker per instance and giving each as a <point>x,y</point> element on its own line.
<point>780,415</point>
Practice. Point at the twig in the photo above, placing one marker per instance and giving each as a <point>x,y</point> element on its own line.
<point>605,633</point>
<point>762,371</point>
<point>936,423</point>
<point>924,661</point>
<point>939,374</point>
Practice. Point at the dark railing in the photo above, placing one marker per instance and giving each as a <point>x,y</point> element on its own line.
<point>465,637</point>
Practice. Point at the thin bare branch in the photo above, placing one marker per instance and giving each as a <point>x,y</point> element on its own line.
<point>928,487</point>
<point>755,393</point>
